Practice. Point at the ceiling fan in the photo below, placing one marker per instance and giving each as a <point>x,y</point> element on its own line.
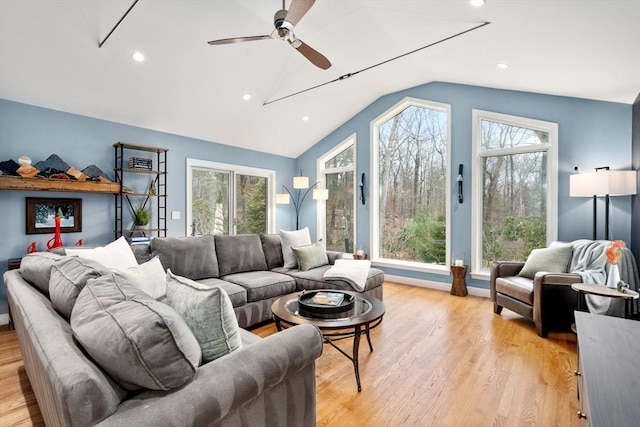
<point>284,21</point>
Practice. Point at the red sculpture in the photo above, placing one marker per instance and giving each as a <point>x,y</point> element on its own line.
<point>56,241</point>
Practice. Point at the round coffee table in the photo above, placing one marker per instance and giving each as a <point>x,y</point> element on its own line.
<point>365,315</point>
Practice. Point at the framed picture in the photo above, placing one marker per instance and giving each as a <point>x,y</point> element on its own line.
<point>41,214</point>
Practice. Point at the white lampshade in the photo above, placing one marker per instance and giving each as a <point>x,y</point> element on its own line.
<point>282,198</point>
<point>300,182</point>
<point>601,183</point>
<point>320,194</point>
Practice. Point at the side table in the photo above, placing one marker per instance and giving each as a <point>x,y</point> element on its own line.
<point>605,291</point>
<point>459,285</point>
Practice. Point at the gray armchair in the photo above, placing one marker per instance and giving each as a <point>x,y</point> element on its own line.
<point>548,299</point>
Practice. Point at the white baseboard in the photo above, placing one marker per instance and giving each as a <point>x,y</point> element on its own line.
<point>4,319</point>
<point>479,292</point>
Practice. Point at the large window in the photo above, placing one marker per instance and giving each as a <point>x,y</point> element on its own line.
<point>228,199</point>
<point>410,201</point>
<point>337,221</point>
<point>514,187</point>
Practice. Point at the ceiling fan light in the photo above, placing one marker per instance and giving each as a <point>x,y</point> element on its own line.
<point>137,56</point>
<point>246,96</point>
<point>477,3</point>
<point>502,65</point>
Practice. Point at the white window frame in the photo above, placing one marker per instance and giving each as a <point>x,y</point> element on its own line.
<point>321,225</point>
<point>233,170</point>
<point>375,190</point>
<point>550,148</point>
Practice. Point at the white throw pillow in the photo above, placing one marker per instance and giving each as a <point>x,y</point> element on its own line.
<point>116,254</point>
<point>149,277</point>
<point>290,239</point>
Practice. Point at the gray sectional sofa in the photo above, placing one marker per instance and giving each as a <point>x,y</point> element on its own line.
<point>249,267</point>
<point>268,381</point>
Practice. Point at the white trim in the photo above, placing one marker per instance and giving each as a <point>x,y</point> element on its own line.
<point>472,290</point>
<point>321,217</point>
<point>374,181</point>
<point>412,266</point>
<point>233,169</point>
<point>4,319</point>
<point>477,154</point>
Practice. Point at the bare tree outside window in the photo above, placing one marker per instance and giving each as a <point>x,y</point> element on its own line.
<point>339,175</point>
<point>514,191</point>
<point>412,181</point>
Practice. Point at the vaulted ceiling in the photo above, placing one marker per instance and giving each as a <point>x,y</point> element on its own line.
<point>49,56</point>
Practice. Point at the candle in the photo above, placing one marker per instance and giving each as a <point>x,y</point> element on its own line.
<point>458,263</point>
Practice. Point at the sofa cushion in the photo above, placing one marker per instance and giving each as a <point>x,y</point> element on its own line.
<point>239,253</point>
<point>290,239</point>
<point>237,294</point>
<point>138,341</point>
<point>314,279</point>
<point>142,252</point>
<point>149,277</point>
<point>261,285</point>
<point>36,267</point>
<point>272,248</point>
<point>116,254</point>
<point>520,288</point>
<point>553,260</point>
<point>192,257</point>
<point>209,314</point>
<point>68,277</point>
<point>310,256</point>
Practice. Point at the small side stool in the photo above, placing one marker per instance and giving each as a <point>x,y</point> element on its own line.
<point>459,285</point>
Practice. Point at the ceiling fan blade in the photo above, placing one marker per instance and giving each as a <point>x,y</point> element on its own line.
<point>238,40</point>
<point>297,10</point>
<point>316,58</point>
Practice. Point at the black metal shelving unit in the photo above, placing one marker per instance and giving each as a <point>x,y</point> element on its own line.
<point>126,198</point>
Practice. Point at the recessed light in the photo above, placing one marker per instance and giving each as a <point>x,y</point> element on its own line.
<point>246,97</point>
<point>477,3</point>
<point>502,65</point>
<point>305,119</point>
<point>137,56</point>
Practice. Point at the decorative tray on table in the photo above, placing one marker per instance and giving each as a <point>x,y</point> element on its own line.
<point>325,301</point>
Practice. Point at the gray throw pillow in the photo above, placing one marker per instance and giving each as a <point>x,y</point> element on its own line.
<point>310,256</point>
<point>149,277</point>
<point>272,249</point>
<point>192,257</point>
<point>553,260</point>
<point>239,253</point>
<point>138,341</point>
<point>68,277</point>
<point>290,239</point>
<point>209,314</point>
<point>36,267</point>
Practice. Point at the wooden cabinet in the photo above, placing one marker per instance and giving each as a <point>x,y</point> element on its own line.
<point>135,190</point>
<point>608,370</point>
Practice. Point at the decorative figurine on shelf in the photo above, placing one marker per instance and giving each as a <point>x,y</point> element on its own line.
<point>32,247</point>
<point>152,189</point>
<point>56,241</point>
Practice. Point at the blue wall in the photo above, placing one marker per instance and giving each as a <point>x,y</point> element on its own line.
<point>591,134</point>
<point>81,141</point>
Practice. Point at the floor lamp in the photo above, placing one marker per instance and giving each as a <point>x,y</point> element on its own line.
<point>300,183</point>
<point>602,183</point>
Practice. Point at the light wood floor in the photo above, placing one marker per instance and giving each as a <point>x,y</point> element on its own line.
<point>438,360</point>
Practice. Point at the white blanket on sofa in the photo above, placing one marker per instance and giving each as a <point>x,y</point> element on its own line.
<point>355,272</point>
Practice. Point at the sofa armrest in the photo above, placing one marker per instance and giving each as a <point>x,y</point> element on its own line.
<point>548,290</point>
<point>333,256</point>
<point>274,377</point>
<point>544,278</point>
<point>502,269</point>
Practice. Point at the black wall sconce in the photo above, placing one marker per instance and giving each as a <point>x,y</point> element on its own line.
<point>459,179</point>
<point>362,188</point>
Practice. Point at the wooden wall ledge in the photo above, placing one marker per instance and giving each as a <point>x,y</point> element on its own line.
<point>45,184</point>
